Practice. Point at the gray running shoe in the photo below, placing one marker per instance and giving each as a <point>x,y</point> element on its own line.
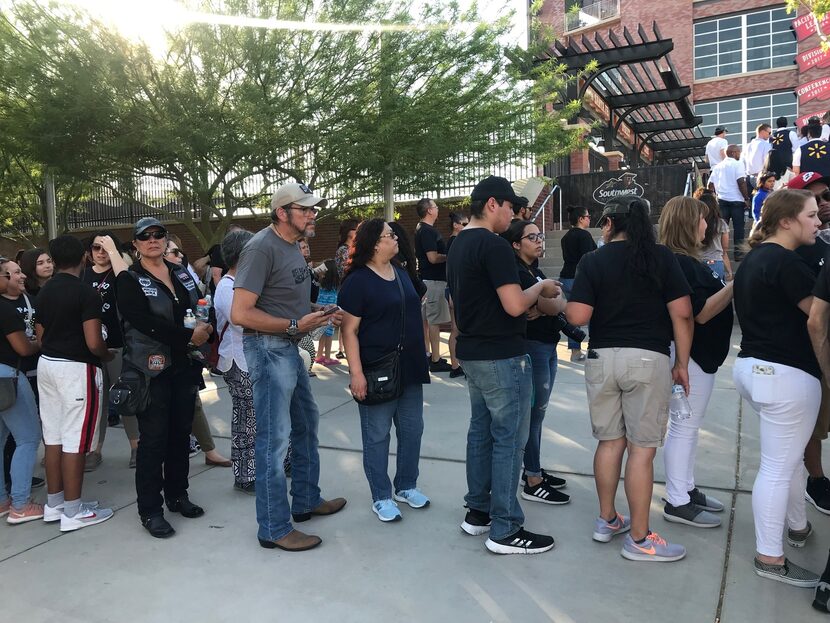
<point>691,515</point>
<point>704,501</point>
<point>788,573</point>
<point>798,539</point>
<point>653,549</point>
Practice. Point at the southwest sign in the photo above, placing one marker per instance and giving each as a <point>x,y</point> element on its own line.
<point>817,89</point>
<point>805,25</point>
<point>813,58</point>
<point>625,184</point>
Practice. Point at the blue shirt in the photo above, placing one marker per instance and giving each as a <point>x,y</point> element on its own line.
<point>757,202</point>
<point>377,302</point>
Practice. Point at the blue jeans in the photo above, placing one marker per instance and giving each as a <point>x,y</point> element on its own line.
<point>407,412</point>
<point>734,211</point>
<point>567,284</point>
<point>284,409</point>
<point>718,267</point>
<point>499,423</point>
<point>543,360</point>
<point>22,420</point>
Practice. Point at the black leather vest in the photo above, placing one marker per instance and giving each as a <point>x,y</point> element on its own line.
<point>141,351</point>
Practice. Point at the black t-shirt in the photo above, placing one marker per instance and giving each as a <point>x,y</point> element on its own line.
<point>217,260</point>
<point>481,262</point>
<point>575,243</point>
<point>377,302</point>
<point>629,311</point>
<point>64,304</point>
<point>104,285</point>
<point>816,255</point>
<point>10,322</point>
<point>543,329</point>
<point>710,345</point>
<point>769,284</point>
<point>27,364</point>
<point>427,238</point>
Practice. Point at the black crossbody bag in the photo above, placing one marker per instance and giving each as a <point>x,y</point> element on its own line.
<point>383,376</point>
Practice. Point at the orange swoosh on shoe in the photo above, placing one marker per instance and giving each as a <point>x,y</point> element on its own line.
<point>650,551</point>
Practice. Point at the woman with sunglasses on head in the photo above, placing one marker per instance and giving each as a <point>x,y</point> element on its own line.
<point>154,296</point>
<point>778,374</point>
<point>36,264</point>
<point>541,339</point>
<point>576,242</point>
<point>201,427</point>
<point>106,264</point>
<point>634,294</point>
<point>682,229</point>
<point>374,296</point>
<point>20,419</point>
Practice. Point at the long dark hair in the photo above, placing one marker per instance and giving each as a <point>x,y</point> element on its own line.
<point>330,279</point>
<point>363,245</point>
<point>641,259</point>
<point>406,253</point>
<point>28,264</point>
<point>102,232</point>
<point>345,227</point>
<point>577,212</point>
<point>712,214</point>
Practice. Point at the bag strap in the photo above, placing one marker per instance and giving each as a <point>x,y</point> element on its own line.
<point>403,307</point>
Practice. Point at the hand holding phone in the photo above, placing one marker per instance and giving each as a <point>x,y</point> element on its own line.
<point>330,309</point>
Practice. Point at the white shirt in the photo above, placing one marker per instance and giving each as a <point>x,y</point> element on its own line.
<point>725,178</point>
<point>794,140</point>
<point>230,348</point>
<point>754,155</point>
<point>713,149</point>
<point>825,132</point>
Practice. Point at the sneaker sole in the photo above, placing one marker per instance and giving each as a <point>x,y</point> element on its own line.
<point>498,548</point>
<point>472,530</point>
<point>807,497</point>
<point>14,521</point>
<point>387,519</point>
<point>533,498</point>
<point>784,580</point>
<point>87,524</point>
<point>649,557</point>
<point>399,498</point>
<point>689,522</point>
<point>606,538</point>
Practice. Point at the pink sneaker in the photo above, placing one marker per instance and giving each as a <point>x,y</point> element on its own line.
<point>321,360</point>
<point>30,512</point>
<point>5,507</point>
<point>331,362</point>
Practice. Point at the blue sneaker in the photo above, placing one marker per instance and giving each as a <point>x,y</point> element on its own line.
<point>386,510</point>
<point>605,531</point>
<point>653,549</point>
<point>413,497</point>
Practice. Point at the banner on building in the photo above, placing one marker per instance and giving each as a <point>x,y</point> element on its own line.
<point>805,26</point>
<point>802,121</point>
<point>813,58</point>
<point>816,89</point>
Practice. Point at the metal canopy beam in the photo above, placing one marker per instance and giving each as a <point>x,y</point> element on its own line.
<point>664,125</point>
<point>685,143</point>
<point>679,154</point>
<point>663,96</point>
<point>621,56</point>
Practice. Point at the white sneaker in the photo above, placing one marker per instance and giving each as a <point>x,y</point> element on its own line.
<point>85,517</point>
<point>51,514</point>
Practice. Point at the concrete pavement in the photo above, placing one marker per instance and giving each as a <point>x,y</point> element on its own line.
<point>422,568</point>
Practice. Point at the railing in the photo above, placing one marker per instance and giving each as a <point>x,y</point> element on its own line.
<point>589,13</point>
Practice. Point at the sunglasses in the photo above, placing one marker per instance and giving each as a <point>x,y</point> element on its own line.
<point>155,235</point>
<point>176,252</point>
<point>97,247</point>
<point>534,237</point>
<point>464,223</point>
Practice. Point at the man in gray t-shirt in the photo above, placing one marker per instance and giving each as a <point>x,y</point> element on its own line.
<point>271,303</point>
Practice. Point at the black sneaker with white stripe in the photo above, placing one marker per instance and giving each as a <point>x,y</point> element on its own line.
<point>545,494</point>
<point>553,481</point>
<point>520,542</point>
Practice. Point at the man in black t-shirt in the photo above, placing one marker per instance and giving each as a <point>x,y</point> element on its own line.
<point>490,309</point>
<point>431,253</point>
<point>69,383</point>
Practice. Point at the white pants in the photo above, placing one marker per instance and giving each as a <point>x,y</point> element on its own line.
<point>681,442</point>
<point>787,403</point>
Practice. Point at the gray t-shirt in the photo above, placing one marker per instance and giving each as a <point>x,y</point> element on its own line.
<point>276,271</point>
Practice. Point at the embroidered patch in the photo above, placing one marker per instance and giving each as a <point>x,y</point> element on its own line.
<point>187,280</point>
<point>150,291</point>
<point>155,363</point>
<point>144,282</point>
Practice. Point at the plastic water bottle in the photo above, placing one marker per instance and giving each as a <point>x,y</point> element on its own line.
<point>202,310</point>
<point>679,407</point>
<point>189,319</point>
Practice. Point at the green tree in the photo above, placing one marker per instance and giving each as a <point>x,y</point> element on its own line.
<point>819,8</point>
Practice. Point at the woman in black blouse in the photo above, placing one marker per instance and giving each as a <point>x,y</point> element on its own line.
<point>575,243</point>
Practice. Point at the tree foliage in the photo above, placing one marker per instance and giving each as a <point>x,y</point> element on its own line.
<point>230,108</point>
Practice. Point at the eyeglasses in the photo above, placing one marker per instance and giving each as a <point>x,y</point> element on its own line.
<point>176,252</point>
<point>6,275</point>
<point>392,235</point>
<point>155,235</point>
<point>534,237</point>
<point>306,211</point>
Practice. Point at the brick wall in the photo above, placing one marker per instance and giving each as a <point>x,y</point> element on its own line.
<point>735,86</point>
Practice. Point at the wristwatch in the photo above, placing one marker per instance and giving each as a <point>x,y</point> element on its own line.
<point>293,328</point>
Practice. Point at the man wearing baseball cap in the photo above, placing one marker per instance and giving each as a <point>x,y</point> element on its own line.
<point>490,309</point>
<point>816,256</point>
<point>272,291</point>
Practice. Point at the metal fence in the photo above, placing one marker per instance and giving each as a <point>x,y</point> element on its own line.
<point>590,12</point>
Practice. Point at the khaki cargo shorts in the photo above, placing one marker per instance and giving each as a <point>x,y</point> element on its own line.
<point>628,395</point>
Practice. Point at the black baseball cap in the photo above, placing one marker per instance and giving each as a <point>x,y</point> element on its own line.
<point>617,206</point>
<point>146,223</point>
<point>720,130</point>
<point>498,188</point>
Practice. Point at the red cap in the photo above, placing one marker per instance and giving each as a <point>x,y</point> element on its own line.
<point>802,180</point>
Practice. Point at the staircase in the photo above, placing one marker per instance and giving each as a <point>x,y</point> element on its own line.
<point>552,261</point>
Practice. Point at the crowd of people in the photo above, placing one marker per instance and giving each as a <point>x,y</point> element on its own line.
<point>95,335</point>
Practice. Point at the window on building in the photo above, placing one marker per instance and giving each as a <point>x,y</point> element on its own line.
<point>741,43</point>
<point>742,115</point>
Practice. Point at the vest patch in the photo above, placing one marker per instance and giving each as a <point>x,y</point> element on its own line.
<point>150,291</point>
<point>186,279</point>
<point>144,282</point>
<point>156,363</point>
